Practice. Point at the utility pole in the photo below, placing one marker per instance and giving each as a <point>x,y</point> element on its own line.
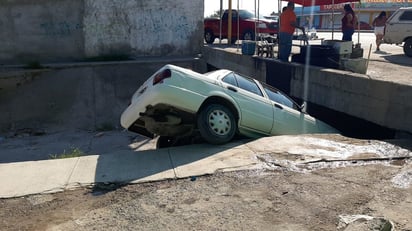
<point>229,22</point>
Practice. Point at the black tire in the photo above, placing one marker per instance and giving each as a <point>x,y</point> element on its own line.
<point>407,47</point>
<point>165,142</point>
<point>217,124</point>
<point>248,35</point>
<point>209,37</point>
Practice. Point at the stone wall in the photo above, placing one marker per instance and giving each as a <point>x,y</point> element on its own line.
<point>72,30</point>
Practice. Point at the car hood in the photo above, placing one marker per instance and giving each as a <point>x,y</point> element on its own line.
<point>260,20</point>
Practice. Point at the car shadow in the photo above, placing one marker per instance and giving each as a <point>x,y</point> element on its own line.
<point>399,59</point>
<point>127,167</point>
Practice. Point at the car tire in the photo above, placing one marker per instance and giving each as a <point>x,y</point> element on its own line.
<point>209,37</point>
<point>165,142</point>
<point>248,35</point>
<point>217,124</point>
<point>407,47</point>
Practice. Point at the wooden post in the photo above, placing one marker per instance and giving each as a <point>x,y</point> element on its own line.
<point>229,24</point>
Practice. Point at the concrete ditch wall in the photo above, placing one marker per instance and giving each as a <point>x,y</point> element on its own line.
<point>68,30</point>
<point>84,96</point>
<point>381,102</point>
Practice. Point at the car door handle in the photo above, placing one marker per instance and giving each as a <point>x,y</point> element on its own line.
<point>278,106</point>
<point>232,89</point>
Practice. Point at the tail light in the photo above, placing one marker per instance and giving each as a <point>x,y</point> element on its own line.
<point>159,77</point>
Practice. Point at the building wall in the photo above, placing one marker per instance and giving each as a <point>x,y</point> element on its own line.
<point>71,30</point>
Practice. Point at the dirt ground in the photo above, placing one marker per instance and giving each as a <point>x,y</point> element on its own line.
<point>266,199</point>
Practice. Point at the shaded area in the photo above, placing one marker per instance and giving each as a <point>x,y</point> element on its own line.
<point>349,125</point>
<point>398,59</point>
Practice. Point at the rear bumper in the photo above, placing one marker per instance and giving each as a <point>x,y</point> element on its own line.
<point>163,94</point>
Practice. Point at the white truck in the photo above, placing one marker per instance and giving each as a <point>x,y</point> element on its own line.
<point>398,29</point>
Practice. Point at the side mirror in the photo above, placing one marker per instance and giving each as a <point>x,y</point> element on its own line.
<point>303,107</point>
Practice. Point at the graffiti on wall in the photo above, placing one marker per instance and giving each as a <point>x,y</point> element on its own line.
<point>146,31</point>
<point>155,23</point>
<point>60,29</point>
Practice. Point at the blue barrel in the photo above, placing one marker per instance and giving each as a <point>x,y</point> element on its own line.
<point>248,47</point>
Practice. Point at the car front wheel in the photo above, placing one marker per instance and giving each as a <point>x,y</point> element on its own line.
<point>217,124</point>
<point>407,47</point>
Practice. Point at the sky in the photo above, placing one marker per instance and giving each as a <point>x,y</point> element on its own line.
<point>266,6</point>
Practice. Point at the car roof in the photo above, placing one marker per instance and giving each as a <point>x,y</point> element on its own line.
<point>217,74</point>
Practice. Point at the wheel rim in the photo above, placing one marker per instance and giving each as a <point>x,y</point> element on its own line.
<point>219,122</point>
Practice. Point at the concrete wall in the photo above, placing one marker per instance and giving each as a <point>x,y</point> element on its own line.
<point>65,30</point>
<point>382,102</point>
<point>245,64</point>
<point>86,96</point>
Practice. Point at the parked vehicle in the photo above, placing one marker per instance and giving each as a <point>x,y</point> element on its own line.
<point>248,26</point>
<point>364,26</point>
<point>179,104</point>
<point>398,29</point>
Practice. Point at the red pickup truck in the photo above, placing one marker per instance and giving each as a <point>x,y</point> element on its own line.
<point>247,24</point>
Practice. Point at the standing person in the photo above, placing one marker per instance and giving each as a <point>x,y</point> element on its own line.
<point>287,28</point>
<point>349,22</point>
<point>379,28</point>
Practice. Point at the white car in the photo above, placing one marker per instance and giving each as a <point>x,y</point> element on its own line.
<point>176,103</point>
<point>398,29</point>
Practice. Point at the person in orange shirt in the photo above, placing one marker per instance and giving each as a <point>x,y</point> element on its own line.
<point>287,28</point>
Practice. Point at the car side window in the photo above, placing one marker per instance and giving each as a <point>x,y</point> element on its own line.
<point>230,79</point>
<point>278,97</point>
<point>406,16</point>
<point>247,84</point>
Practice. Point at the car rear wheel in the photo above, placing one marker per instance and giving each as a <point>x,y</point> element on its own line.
<point>209,37</point>
<point>217,124</point>
<point>407,47</point>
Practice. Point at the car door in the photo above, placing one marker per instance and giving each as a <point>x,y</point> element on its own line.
<point>288,119</point>
<point>256,111</point>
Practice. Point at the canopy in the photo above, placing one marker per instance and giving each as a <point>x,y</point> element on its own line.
<point>319,2</point>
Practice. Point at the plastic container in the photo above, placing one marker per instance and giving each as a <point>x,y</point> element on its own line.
<point>248,47</point>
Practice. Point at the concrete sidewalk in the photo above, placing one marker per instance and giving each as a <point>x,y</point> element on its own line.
<point>48,176</point>
<point>303,153</point>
